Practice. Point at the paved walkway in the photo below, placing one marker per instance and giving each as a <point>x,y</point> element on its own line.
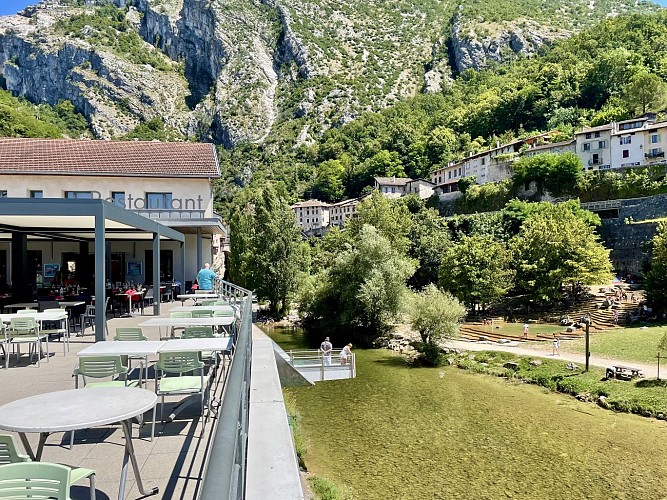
<point>517,348</point>
<point>174,461</point>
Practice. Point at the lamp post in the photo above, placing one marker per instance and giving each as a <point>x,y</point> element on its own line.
<point>587,320</point>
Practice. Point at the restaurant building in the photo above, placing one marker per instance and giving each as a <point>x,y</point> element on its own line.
<point>170,183</point>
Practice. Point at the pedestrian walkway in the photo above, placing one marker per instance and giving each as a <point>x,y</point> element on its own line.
<point>314,367</point>
<point>650,371</point>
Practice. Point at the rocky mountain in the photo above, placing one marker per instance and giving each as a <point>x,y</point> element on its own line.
<point>231,71</point>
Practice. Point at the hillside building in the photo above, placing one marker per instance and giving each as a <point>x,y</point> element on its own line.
<point>340,212</point>
<point>311,214</point>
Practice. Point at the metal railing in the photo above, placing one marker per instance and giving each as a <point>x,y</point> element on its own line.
<point>224,477</point>
<point>314,358</point>
<point>169,213</point>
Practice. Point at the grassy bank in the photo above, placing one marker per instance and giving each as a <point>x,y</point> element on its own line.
<point>643,397</point>
<point>402,433</point>
<point>632,344</point>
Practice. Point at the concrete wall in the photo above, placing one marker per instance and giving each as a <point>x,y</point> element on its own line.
<point>628,241</point>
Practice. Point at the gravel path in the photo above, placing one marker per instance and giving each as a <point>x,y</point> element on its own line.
<point>650,371</point>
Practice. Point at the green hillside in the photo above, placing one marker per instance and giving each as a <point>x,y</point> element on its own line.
<point>20,118</point>
<point>583,80</point>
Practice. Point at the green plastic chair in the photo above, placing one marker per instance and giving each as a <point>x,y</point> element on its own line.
<point>208,302</point>
<point>24,331</point>
<point>4,343</point>
<point>202,313</point>
<point>178,364</point>
<point>178,314</point>
<point>41,480</point>
<point>99,367</point>
<point>9,454</point>
<point>130,333</point>
<point>28,312</point>
<point>58,330</point>
<point>221,303</point>
<point>224,314</point>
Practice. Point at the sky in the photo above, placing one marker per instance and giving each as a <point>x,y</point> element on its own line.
<point>13,6</point>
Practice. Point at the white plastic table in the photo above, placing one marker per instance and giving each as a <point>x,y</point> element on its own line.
<point>228,309</point>
<point>122,348</point>
<point>70,303</point>
<point>77,409</point>
<point>22,305</point>
<point>196,345</point>
<point>212,321</point>
<point>196,296</point>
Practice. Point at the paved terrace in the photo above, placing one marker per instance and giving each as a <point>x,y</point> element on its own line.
<point>174,461</point>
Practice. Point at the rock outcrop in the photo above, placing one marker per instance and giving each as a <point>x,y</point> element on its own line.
<point>472,50</point>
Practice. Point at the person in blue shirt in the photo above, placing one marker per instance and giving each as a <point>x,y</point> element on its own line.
<point>205,277</point>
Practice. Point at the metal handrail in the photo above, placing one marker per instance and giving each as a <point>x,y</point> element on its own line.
<point>224,477</point>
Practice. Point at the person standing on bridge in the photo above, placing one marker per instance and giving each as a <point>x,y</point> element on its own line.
<point>326,347</point>
<point>525,331</point>
<point>205,277</point>
<point>345,354</point>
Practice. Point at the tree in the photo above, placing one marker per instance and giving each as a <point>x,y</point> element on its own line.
<point>556,247</point>
<point>436,316</point>
<point>267,253</point>
<point>476,270</point>
<point>662,348</point>
<point>557,173</point>
<point>644,92</point>
<point>428,237</point>
<point>656,278</point>
<point>361,293</point>
<point>390,217</point>
<point>328,185</point>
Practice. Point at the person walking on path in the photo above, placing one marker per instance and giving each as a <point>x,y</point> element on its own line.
<point>525,331</point>
<point>556,350</point>
<point>616,316</point>
<point>326,348</point>
<point>345,354</point>
<point>205,277</point>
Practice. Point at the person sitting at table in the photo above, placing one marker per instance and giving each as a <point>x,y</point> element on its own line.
<point>205,277</point>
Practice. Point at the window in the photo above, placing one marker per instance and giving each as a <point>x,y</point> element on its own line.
<point>602,144</point>
<point>626,140</point>
<point>597,134</point>
<point>393,189</point>
<point>589,135</point>
<point>36,194</point>
<point>586,146</point>
<point>483,161</point>
<point>459,170</point>
<point>626,153</point>
<point>118,198</point>
<point>450,174</point>
<point>655,139</point>
<point>158,200</point>
<point>79,195</point>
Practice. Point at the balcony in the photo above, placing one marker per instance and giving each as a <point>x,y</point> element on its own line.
<point>654,154</point>
<point>171,214</point>
<point>595,162</point>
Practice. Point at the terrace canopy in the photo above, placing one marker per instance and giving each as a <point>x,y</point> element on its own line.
<point>23,219</point>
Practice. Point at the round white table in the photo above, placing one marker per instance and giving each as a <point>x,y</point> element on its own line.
<point>76,409</point>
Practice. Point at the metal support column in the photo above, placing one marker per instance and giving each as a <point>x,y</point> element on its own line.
<point>182,261</point>
<point>200,256</point>
<point>20,278</point>
<point>157,296</point>
<point>100,276</point>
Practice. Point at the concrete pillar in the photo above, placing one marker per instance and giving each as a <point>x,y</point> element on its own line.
<point>21,291</point>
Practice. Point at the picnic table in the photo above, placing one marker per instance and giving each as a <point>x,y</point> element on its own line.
<point>623,372</point>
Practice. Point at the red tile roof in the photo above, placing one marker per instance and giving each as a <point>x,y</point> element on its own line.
<point>108,158</point>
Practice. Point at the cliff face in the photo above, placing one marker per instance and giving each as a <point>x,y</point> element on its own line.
<point>230,70</point>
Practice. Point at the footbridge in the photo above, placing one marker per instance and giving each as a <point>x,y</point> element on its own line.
<point>313,366</point>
